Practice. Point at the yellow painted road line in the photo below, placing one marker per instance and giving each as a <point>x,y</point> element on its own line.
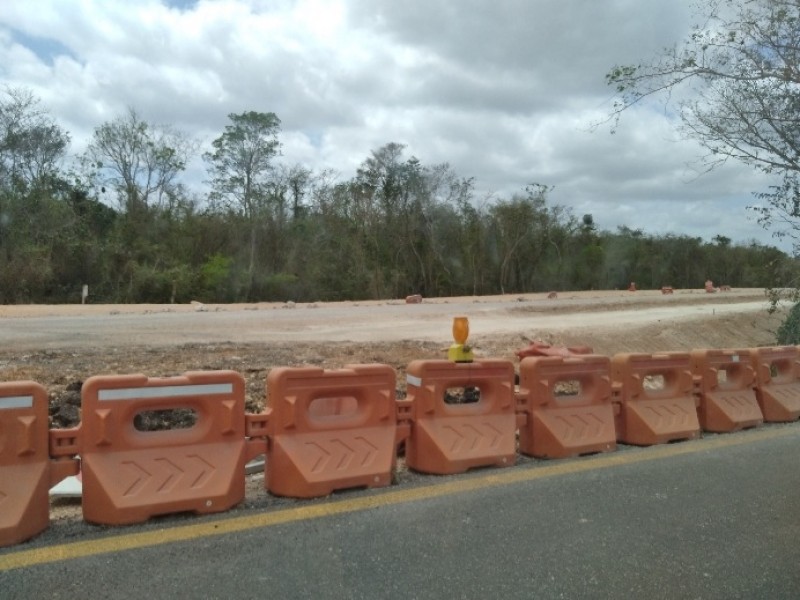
<point>131,541</point>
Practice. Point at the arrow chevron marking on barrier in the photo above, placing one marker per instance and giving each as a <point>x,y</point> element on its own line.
<point>599,425</point>
<point>140,481</point>
<point>454,447</point>
<point>206,471</point>
<point>370,451</point>
<point>495,433</point>
<point>322,459</point>
<point>585,426</point>
<point>684,417</point>
<point>470,435</point>
<point>567,428</point>
<point>342,454</point>
<point>733,401</point>
<point>668,417</point>
<point>474,439</point>
<point>171,473</point>
<point>351,454</point>
<point>174,473</point>
<point>660,419</point>
<point>788,395</point>
<point>574,427</point>
<point>593,426</point>
<point>346,456</point>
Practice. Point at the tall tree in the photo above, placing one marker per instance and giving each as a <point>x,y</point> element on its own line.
<point>35,225</point>
<point>240,167</point>
<point>409,214</point>
<point>32,145</point>
<point>138,160</point>
<point>588,270</point>
<point>520,236</point>
<point>298,178</point>
<point>739,75</point>
<point>138,164</point>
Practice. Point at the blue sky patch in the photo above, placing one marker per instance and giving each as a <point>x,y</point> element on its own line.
<point>181,4</point>
<point>47,49</point>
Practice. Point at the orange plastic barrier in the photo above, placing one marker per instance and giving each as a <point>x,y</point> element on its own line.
<point>778,382</point>
<point>453,437</point>
<point>725,385</point>
<point>559,426</point>
<point>314,449</point>
<point>131,475</point>
<point>654,394</point>
<point>26,471</point>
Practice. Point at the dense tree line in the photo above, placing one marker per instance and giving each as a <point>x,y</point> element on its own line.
<point>122,220</point>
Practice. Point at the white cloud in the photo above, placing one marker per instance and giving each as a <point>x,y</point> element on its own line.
<point>505,92</point>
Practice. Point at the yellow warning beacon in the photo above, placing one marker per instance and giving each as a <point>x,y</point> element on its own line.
<point>460,351</point>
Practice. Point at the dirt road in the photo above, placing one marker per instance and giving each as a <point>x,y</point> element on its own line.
<point>50,327</point>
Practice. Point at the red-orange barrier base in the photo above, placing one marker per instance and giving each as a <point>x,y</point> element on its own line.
<point>778,382</point>
<point>559,426</point>
<point>26,470</point>
<point>452,438</point>
<point>665,413</point>
<point>330,429</point>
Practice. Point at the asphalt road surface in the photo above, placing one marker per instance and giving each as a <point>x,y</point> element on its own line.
<point>717,517</point>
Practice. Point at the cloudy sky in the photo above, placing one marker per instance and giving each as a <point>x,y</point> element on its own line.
<point>505,91</point>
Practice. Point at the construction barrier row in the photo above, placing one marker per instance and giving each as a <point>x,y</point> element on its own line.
<point>328,430</point>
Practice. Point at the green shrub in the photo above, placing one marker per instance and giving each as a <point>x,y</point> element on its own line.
<point>216,279</point>
<point>789,331</point>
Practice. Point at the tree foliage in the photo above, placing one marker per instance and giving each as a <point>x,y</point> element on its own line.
<point>789,330</point>
<point>32,145</point>
<point>241,167</point>
<point>267,231</point>
<point>138,160</point>
<point>736,81</point>
<point>242,161</point>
